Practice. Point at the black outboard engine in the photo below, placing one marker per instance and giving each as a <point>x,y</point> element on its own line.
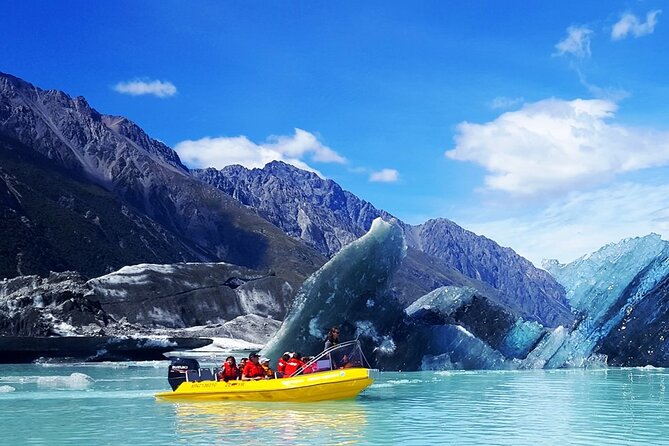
<point>176,373</point>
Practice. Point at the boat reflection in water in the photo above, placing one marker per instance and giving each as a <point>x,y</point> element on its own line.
<point>304,423</point>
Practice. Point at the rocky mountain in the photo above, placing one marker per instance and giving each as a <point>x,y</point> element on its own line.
<point>441,253</point>
<point>305,206</point>
<point>86,191</point>
<point>523,286</point>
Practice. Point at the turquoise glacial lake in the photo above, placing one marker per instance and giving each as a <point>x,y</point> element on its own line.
<point>107,403</point>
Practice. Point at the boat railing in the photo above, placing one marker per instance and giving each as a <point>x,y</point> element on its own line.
<point>344,355</point>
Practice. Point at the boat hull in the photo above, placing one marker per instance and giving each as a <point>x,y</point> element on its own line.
<point>330,385</point>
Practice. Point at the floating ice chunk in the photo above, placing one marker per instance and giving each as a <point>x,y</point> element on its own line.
<point>75,381</point>
<point>7,389</point>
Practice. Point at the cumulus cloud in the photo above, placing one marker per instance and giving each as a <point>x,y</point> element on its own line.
<point>629,24</point>
<point>224,151</point>
<point>576,43</point>
<point>384,176</point>
<point>140,87</point>
<point>582,222</point>
<point>555,146</point>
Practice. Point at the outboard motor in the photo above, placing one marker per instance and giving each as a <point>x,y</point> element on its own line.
<point>176,373</point>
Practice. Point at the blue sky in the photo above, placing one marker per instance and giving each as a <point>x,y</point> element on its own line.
<point>542,126</point>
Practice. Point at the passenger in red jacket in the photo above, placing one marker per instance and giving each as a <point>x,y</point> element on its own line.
<point>310,368</point>
<point>253,371</point>
<point>293,365</point>
<point>229,371</point>
<point>281,364</point>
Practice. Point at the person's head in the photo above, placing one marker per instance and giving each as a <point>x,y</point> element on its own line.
<point>333,334</point>
<point>297,355</point>
<point>243,361</point>
<point>253,357</point>
<point>286,356</point>
<point>231,360</point>
<point>264,361</point>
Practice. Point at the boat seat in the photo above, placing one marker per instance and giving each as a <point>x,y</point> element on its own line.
<point>323,364</point>
<point>206,375</point>
<point>192,376</point>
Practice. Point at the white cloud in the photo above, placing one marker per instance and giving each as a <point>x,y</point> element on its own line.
<point>629,24</point>
<point>502,102</point>
<point>555,146</point>
<point>224,151</point>
<point>384,176</point>
<point>577,42</point>
<point>139,87</point>
<point>581,223</point>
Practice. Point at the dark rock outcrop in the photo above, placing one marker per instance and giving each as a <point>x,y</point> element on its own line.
<point>191,294</point>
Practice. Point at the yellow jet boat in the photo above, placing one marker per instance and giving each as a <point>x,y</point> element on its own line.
<point>337,373</point>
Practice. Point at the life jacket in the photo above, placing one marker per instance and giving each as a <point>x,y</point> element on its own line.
<point>310,369</point>
<point>228,373</point>
<point>281,366</point>
<point>252,370</point>
<point>292,366</point>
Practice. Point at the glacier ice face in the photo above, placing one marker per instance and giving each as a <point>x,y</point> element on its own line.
<point>348,291</point>
<point>605,286</point>
<point>521,339</point>
<point>594,281</point>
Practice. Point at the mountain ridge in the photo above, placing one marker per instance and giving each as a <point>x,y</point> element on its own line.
<point>324,215</point>
<point>148,177</point>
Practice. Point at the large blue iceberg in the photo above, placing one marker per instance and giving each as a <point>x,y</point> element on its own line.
<point>349,291</point>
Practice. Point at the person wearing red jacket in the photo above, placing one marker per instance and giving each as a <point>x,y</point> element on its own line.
<point>229,370</point>
<point>293,365</point>
<point>253,371</point>
<point>281,364</point>
<point>310,368</point>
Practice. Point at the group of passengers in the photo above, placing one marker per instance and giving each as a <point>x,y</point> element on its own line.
<point>256,368</point>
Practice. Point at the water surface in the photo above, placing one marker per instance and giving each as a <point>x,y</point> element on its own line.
<point>114,404</point>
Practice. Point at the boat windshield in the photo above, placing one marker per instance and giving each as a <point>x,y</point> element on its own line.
<point>345,355</point>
